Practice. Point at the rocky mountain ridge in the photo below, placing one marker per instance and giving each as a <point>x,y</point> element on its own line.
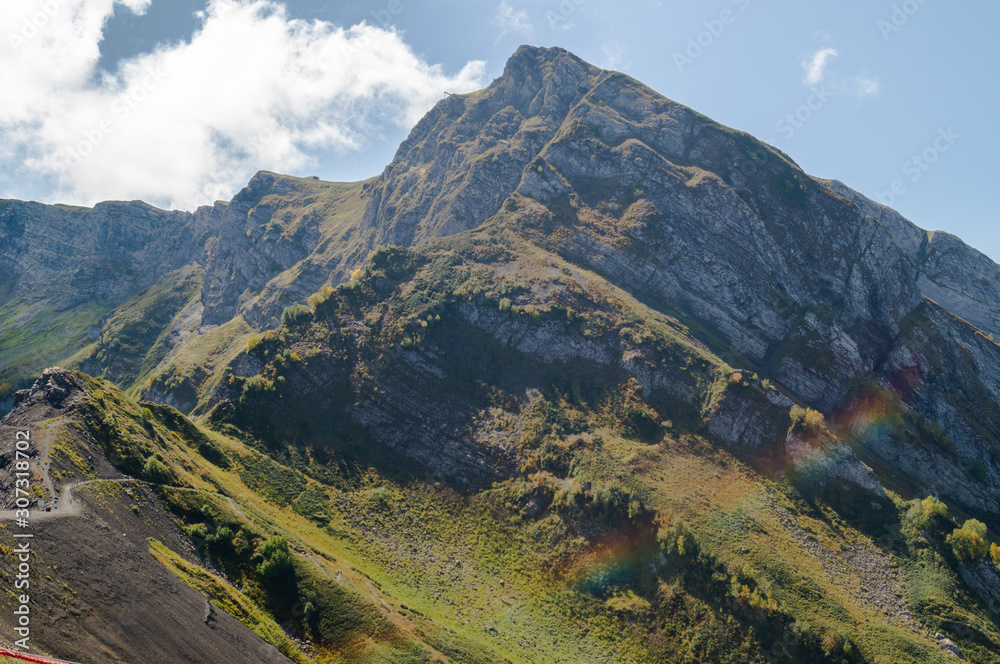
<point>581,376</point>
<point>805,280</point>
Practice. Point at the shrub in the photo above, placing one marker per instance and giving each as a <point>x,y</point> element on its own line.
<point>253,341</point>
<point>154,471</point>
<point>320,296</point>
<point>220,544</point>
<point>677,541</point>
<point>969,542</point>
<point>763,603</point>
<point>995,554</point>
<point>806,418</point>
<point>296,314</point>
<point>258,385</point>
<point>505,304</point>
<point>379,498</point>
<point>357,274</point>
<point>629,603</point>
<point>277,560</point>
<point>930,508</point>
<point>836,643</point>
<point>5,389</point>
<point>198,532</point>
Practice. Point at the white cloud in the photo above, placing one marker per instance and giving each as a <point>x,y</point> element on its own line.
<point>866,86</point>
<point>614,54</point>
<point>816,66</point>
<point>251,89</point>
<point>512,21</point>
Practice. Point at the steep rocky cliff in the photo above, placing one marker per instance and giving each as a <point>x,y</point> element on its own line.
<point>118,288</point>
<point>804,279</point>
<point>63,270</point>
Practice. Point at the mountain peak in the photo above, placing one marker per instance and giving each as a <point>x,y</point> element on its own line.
<point>528,58</point>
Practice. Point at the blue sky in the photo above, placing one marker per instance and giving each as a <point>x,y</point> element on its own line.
<point>176,101</point>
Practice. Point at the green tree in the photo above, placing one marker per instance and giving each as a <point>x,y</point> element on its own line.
<point>321,296</point>
<point>928,509</point>
<point>969,541</point>
<point>932,507</point>
<point>297,314</point>
<point>677,540</point>
<point>276,565</point>
<point>220,544</point>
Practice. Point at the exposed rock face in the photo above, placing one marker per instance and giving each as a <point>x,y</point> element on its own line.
<point>74,255</point>
<point>984,578</point>
<point>663,202</point>
<point>948,371</point>
<point>953,274</point>
<point>247,253</point>
<point>467,155</point>
<point>89,272</point>
<point>805,278</point>
<point>64,270</point>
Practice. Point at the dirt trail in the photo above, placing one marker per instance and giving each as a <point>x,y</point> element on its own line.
<point>236,509</point>
<point>68,504</point>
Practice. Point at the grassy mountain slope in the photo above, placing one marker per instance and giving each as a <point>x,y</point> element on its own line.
<point>614,539</point>
<point>563,450</point>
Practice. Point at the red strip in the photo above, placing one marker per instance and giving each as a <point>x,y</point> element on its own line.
<point>31,658</point>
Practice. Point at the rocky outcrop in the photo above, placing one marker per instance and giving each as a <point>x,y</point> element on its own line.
<point>984,578</point>
<point>949,372</point>
<point>467,155</point>
<point>279,241</point>
<point>666,203</point>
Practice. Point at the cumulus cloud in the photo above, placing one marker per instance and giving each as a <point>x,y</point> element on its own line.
<point>816,66</point>
<point>190,122</point>
<point>512,21</point>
